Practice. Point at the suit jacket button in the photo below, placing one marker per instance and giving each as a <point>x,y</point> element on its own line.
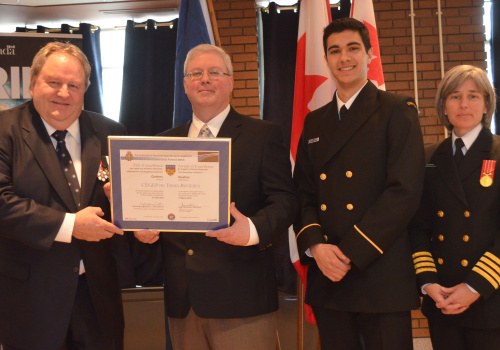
<point>323,207</point>
<point>440,213</point>
<point>441,238</point>
<point>349,206</point>
<point>190,252</point>
<point>466,213</point>
<point>440,261</point>
<point>465,238</point>
<point>322,176</point>
<point>348,174</point>
<point>75,269</point>
<point>326,238</point>
<point>465,263</point>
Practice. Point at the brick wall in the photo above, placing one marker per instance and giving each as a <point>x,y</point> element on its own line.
<point>463,43</point>
<point>238,33</point>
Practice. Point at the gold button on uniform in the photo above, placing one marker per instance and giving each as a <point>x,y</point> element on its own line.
<point>466,214</point>
<point>190,252</point>
<point>322,176</point>
<point>440,213</point>
<point>349,206</point>
<point>466,238</point>
<point>441,238</point>
<point>326,238</point>
<point>323,207</point>
<point>348,174</point>
<point>440,261</point>
<point>465,263</point>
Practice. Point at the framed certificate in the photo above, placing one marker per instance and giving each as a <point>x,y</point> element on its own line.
<point>170,183</point>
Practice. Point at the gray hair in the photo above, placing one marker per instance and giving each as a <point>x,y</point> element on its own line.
<point>454,78</point>
<point>207,48</point>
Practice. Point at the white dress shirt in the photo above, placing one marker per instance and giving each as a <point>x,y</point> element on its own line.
<point>215,124</point>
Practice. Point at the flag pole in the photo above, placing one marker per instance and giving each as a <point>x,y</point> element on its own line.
<point>213,21</point>
<point>300,314</point>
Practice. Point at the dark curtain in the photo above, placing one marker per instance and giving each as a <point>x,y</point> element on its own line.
<point>148,78</point>
<point>91,47</point>
<point>279,51</point>
<point>279,33</point>
<point>495,55</point>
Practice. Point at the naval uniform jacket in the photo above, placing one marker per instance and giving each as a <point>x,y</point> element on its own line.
<point>359,181</point>
<point>456,234</point>
<point>219,280</point>
<point>39,276</point>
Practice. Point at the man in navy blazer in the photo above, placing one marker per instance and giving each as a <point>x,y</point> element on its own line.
<point>220,287</point>
<point>58,281</point>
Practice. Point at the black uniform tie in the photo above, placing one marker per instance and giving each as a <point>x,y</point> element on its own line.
<point>67,165</point>
<point>343,112</point>
<point>459,155</point>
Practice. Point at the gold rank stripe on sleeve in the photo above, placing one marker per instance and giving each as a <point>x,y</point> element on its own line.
<point>368,239</point>
<point>489,268</point>
<point>305,227</point>
<point>424,262</point>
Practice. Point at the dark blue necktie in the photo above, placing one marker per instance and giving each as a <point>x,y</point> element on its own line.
<point>67,165</point>
<point>459,155</point>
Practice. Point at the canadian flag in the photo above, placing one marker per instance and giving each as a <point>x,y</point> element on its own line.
<point>314,87</point>
<point>363,11</point>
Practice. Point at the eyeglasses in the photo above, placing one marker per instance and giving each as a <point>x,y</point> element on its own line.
<point>212,75</point>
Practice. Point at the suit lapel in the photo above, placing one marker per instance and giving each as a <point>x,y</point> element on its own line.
<point>359,113</point>
<point>38,140</point>
<point>91,158</point>
<point>448,170</point>
<point>182,130</point>
<point>231,127</point>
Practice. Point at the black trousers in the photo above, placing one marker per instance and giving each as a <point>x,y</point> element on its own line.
<point>446,335</point>
<point>84,332</point>
<point>340,330</point>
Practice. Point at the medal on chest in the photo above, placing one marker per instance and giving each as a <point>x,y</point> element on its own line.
<point>487,173</point>
<point>103,173</point>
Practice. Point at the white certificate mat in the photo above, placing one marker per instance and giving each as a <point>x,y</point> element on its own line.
<point>170,184</point>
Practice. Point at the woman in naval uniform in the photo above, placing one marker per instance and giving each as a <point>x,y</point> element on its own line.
<point>456,234</point>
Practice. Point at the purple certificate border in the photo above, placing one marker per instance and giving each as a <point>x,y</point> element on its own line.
<point>222,145</point>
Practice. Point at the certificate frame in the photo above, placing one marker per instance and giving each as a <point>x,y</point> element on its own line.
<point>165,146</point>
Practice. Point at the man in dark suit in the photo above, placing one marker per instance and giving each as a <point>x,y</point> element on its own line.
<point>359,175</point>
<point>58,281</point>
<point>220,287</point>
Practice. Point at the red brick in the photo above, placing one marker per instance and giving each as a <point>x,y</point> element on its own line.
<point>230,31</point>
<point>251,111</point>
<point>251,48</point>
<point>240,5</point>
<point>425,121</point>
<point>230,14</point>
<point>238,102</point>
<point>246,93</point>
<point>245,57</point>
<point>252,84</point>
<point>429,140</point>
<point>234,49</point>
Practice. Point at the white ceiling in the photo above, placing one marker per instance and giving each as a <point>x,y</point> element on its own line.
<point>104,13</point>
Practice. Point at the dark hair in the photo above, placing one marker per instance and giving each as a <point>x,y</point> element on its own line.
<point>347,23</point>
